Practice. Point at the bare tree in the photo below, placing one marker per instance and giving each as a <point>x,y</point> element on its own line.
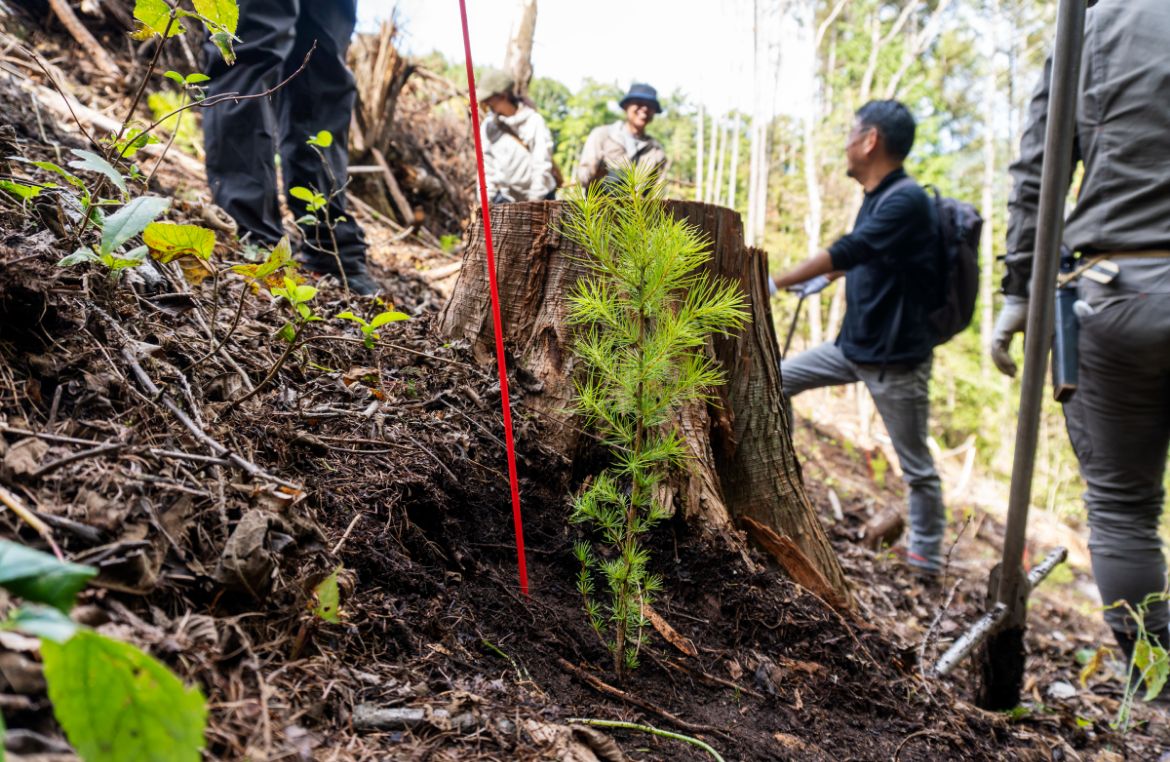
<point>733,175</point>
<point>712,151</point>
<point>724,139</point>
<point>699,133</point>
<point>518,58</point>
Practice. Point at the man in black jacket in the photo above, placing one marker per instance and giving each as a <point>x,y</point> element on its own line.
<point>1119,418</point>
<point>242,137</point>
<point>893,283</point>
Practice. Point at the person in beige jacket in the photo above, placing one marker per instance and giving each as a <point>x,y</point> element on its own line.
<point>615,146</point>
<point>517,145</point>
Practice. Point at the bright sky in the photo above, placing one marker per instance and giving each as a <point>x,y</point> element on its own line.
<point>702,47</point>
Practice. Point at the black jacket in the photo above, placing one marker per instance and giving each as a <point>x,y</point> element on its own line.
<point>892,258</point>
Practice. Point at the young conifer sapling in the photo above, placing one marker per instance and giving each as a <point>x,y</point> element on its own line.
<point>644,313</point>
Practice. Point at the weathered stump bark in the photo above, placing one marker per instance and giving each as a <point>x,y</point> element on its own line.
<point>743,462</point>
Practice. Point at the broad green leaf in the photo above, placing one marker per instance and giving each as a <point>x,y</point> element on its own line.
<point>49,166</point>
<point>287,333</point>
<point>168,240</point>
<point>390,316</point>
<point>94,163</point>
<point>1154,665</point>
<point>350,316</point>
<point>154,16</point>
<point>221,13</point>
<point>302,193</point>
<point>43,622</point>
<point>304,293</point>
<point>131,220</point>
<point>176,77</point>
<point>84,254</point>
<point>20,190</point>
<point>118,704</point>
<point>196,78</point>
<point>322,139</point>
<point>328,596</point>
<point>39,577</point>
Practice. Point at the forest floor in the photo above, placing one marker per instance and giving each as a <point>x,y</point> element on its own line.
<point>387,463</point>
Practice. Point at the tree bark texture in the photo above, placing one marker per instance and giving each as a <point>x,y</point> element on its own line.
<point>743,461</point>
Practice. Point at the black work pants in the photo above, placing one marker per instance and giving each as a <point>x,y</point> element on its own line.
<point>1119,424</point>
<point>243,137</point>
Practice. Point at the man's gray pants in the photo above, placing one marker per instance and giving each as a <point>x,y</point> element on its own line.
<point>1119,425</point>
<point>902,397</point>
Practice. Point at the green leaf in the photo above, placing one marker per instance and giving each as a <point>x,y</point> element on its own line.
<point>84,254</point>
<point>154,15</point>
<point>302,294</point>
<point>323,139</point>
<point>223,43</point>
<point>328,596</point>
<point>43,622</point>
<point>287,333</point>
<point>350,316</point>
<point>118,704</point>
<point>222,13</point>
<point>92,162</point>
<point>302,193</point>
<point>168,240</point>
<point>1153,664</point>
<point>390,316</point>
<point>176,77</point>
<point>196,78</point>
<point>20,190</point>
<point>131,220</point>
<point>39,577</point>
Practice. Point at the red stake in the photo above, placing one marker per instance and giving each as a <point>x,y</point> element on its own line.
<point>496,320</point>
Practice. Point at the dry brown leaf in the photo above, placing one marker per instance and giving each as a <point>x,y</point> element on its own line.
<point>672,635</point>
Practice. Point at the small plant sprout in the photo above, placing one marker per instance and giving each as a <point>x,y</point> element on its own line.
<point>298,296</point>
<point>370,328</point>
<point>277,266</point>
<point>317,206</point>
<point>644,312</point>
<point>1150,665</point>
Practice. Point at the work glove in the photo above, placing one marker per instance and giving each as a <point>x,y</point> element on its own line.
<point>811,286</point>
<point>1012,319</point>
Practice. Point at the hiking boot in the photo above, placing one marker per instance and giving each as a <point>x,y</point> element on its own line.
<point>357,276</point>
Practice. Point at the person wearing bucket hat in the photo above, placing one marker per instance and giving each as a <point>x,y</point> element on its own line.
<point>614,146</point>
<point>517,144</point>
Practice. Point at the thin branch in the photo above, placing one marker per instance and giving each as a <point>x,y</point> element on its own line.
<point>651,730</point>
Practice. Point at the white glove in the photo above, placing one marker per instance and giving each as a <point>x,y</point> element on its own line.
<point>1013,317</point>
<point>811,286</point>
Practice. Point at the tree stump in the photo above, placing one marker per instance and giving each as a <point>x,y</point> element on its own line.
<point>743,462</point>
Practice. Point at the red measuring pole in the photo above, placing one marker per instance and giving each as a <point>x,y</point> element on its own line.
<point>506,404</point>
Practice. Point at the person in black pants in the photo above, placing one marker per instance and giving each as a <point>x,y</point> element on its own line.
<point>243,137</point>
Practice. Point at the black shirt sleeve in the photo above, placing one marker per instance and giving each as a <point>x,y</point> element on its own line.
<point>891,228</point>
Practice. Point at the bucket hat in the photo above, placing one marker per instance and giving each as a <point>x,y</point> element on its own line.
<point>640,91</point>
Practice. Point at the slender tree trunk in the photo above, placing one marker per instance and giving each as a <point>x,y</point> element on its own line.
<point>733,175</point>
<point>742,458</point>
<point>699,155</point>
<point>814,221</point>
<point>753,184</point>
<point>990,176</point>
<point>762,181</point>
<point>724,134</point>
<point>518,58</point>
<point>713,150</point>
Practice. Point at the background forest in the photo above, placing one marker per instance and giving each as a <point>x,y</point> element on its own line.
<point>967,69</point>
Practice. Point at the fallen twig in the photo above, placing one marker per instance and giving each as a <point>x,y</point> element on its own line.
<point>609,690</point>
<point>60,463</point>
<point>651,730</point>
<point>12,502</point>
<point>927,732</point>
<point>77,30</point>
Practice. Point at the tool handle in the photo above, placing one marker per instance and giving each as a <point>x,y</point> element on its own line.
<point>792,328</point>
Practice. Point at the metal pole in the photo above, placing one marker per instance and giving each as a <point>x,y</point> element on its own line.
<point>1054,183</point>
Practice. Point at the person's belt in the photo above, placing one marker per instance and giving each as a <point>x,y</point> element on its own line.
<point>1087,263</point>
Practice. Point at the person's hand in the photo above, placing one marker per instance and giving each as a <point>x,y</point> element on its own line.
<point>811,286</point>
<point>1013,316</point>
